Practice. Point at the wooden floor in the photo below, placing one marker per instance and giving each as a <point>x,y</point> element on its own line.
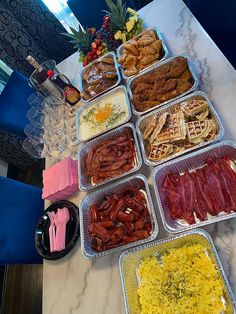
<point>23,290</point>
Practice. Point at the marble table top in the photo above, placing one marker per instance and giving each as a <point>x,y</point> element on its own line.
<point>74,285</point>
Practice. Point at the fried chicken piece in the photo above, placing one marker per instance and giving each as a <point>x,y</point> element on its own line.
<point>186,75</point>
<point>183,86</point>
<point>142,88</point>
<point>178,66</point>
<point>157,87</point>
<point>169,85</point>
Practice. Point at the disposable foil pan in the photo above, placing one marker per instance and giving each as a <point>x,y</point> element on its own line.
<point>143,121</point>
<point>98,60</point>
<point>130,260</point>
<point>94,102</point>
<point>180,165</point>
<point>96,197</point>
<point>150,70</point>
<point>164,53</point>
<point>85,181</point>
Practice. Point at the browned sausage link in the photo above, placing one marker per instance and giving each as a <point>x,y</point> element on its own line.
<point>117,235</point>
<point>94,216</point>
<point>125,217</point>
<point>131,203</point>
<point>129,227</point>
<point>97,244</point>
<point>107,224</point>
<point>139,224</point>
<point>101,232</point>
<point>141,234</point>
<point>120,205</point>
<point>129,239</point>
<point>112,245</point>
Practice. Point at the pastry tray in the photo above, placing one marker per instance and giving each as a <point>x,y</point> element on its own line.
<point>165,53</point>
<point>143,121</point>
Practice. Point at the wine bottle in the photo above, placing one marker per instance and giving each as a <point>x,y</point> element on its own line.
<point>40,75</point>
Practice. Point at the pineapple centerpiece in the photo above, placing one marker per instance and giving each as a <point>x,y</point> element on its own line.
<point>119,25</point>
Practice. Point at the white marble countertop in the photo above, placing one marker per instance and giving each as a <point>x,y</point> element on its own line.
<point>75,285</point>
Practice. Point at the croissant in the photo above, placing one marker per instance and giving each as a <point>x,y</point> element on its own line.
<point>156,45</point>
<point>148,59</point>
<point>146,41</point>
<point>130,62</point>
<point>131,49</point>
<point>122,59</point>
<point>149,33</point>
<point>131,71</point>
<point>148,50</point>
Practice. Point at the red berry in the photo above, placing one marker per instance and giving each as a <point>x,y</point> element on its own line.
<point>94,45</point>
<point>100,48</point>
<point>89,57</point>
<point>97,42</point>
<point>95,56</point>
<point>85,62</point>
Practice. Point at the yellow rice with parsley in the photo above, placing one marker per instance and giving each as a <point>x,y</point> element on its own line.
<point>185,282</point>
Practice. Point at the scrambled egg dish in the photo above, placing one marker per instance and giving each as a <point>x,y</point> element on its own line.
<point>184,282</point>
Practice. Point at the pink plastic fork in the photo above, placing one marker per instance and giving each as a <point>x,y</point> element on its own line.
<point>61,219</point>
<point>52,231</point>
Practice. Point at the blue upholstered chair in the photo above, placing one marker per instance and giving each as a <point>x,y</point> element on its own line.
<point>218,18</point>
<point>13,109</point>
<point>21,206</point>
<point>89,12</point>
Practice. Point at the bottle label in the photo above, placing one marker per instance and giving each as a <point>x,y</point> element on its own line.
<point>71,94</point>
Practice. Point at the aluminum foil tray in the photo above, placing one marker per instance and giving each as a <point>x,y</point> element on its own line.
<point>97,60</point>
<point>180,165</point>
<point>130,260</point>
<point>165,53</point>
<point>94,102</point>
<point>85,183</point>
<point>137,180</point>
<point>149,70</point>
<point>143,122</point>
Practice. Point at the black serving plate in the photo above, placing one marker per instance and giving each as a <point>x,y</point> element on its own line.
<point>42,231</point>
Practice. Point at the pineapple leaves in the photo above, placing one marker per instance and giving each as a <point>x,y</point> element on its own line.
<point>81,39</point>
<point>117,14</point>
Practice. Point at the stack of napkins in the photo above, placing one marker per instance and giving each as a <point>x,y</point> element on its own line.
<point>61,180</point>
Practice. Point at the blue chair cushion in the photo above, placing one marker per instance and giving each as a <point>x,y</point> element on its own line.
<point>14,104</point>
<point>21,206</point>
<point>89,13</point>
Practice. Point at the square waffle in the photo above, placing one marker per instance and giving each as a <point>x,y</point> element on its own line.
<point>197,130</point>
<point>193,107</point>
<point>158,152</point>
<point>174,130</point>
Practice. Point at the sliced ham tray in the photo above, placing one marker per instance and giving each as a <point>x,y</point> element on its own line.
<point>192,165</point>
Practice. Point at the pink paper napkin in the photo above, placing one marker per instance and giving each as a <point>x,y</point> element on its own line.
<point>61,180</point>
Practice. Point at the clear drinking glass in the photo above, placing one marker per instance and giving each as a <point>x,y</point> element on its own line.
<point>35,147</point>
<point>37,132</point>
<point>36,100</point>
